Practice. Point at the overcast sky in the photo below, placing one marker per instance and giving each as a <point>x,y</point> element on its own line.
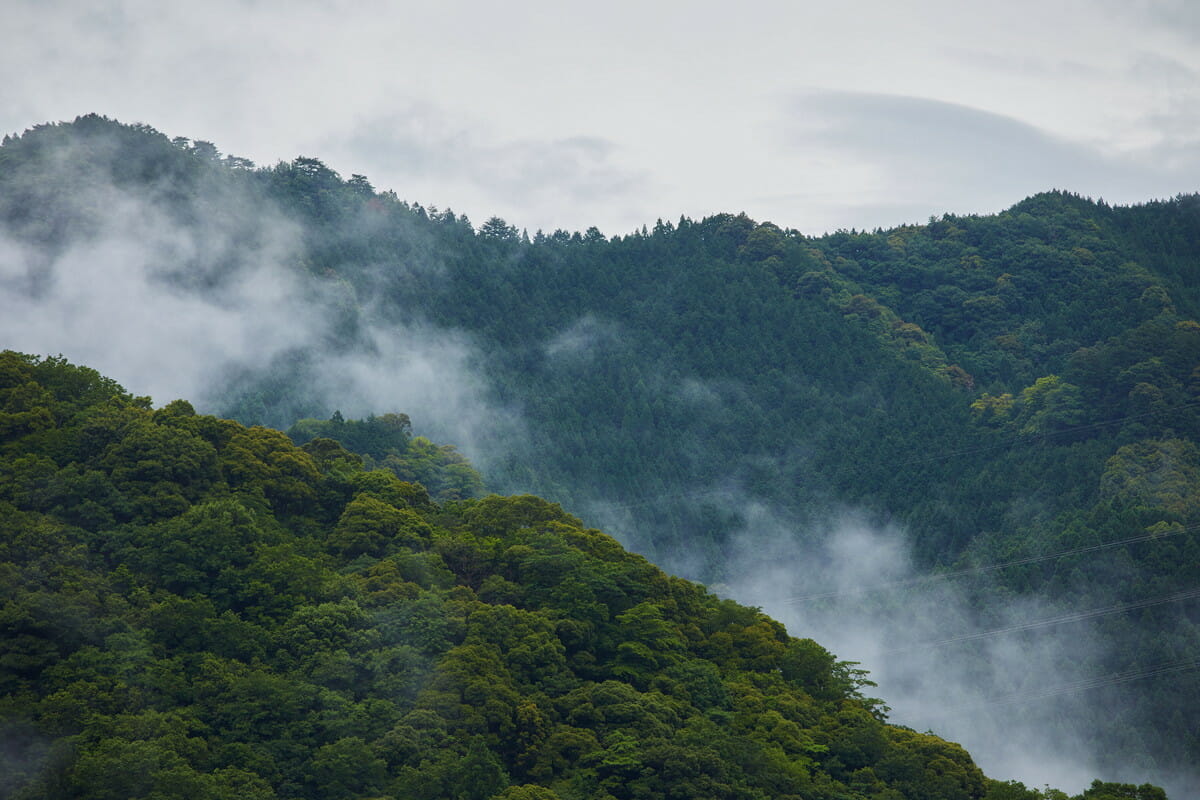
<point>816,116</point>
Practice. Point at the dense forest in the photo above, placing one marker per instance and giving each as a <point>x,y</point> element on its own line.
<point>197,609</point>
<point>1017,392</point>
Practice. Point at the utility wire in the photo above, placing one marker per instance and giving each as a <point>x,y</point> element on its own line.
<point>1076,616</point>
<point>1081,685</point>
<point>939,576</point>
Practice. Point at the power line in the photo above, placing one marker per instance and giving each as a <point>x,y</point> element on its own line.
<point>1080,685</point>
<point>939,576</point>
<point>1076,616</point>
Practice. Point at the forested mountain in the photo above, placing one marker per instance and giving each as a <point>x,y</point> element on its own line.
<point>197,609</point>
<point>1017,392</point>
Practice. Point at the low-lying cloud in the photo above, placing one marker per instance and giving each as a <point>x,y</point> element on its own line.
<point>194,305</point>
<point>582,339</point>
<point>956,657</point>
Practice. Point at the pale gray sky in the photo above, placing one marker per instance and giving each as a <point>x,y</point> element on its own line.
<point>562,114</point>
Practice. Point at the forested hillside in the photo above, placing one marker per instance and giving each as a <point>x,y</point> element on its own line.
<point>197,609</point>
<point>1018,393</point>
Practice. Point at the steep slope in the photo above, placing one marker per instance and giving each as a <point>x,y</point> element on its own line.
<point>1016,392</point>
<point>193,608</point>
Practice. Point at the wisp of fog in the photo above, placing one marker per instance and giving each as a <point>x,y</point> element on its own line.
<point>176,307</point>
<point>1007,677</point>
<point>188,306</point>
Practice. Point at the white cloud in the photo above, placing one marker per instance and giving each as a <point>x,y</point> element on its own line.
<point>173,307</point>
<point>553,115</point>
<point>455,162</point>
<point>940,156</point>
<point>853,586</point>
<point>582,340</point>
<point>431,374</point>
<point>115,299</point>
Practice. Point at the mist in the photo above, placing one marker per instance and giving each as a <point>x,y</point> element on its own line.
<point>216,305</point>
<point>208,303</point>
<point>956,656</point>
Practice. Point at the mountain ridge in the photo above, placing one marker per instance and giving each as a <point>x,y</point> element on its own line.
<point>1000,387</point>
<point>269,621</point>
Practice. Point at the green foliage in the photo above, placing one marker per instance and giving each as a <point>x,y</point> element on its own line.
<point>1002,386</point>
<point>387,442</point>
<point>250,644</point>
<point>1100,790</point>
<point>372,527</point>
<point>260,460</point>
<point>1050,404</point>
<point>1161,474</point>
